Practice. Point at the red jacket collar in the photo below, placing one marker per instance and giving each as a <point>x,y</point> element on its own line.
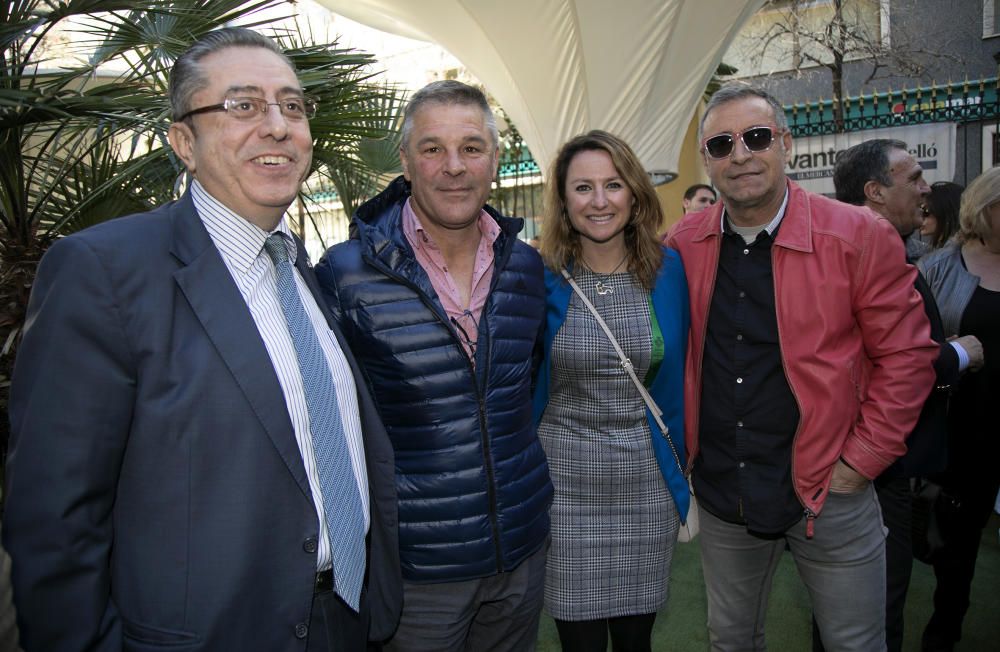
<point>796,227</point>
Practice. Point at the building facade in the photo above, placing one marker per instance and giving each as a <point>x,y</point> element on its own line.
<point>923,71</point>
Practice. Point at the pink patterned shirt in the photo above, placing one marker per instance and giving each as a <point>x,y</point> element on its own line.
<point>464,319</point>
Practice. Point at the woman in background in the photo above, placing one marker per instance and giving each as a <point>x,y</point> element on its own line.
<point>619,491</point>
<point>965,279</point>
<point>941,213</point>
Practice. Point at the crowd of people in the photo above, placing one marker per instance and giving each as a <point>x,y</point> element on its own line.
<point>439,432</point>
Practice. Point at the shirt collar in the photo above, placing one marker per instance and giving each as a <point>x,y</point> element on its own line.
<point>415,232</point>
<point>237,239</point>
<point>772,226</point>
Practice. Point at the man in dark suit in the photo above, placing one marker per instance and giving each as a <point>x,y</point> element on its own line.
<point>169,480</point>
<point>882,175</point>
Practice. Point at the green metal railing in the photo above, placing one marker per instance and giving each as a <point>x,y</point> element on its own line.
<point>962,103</point>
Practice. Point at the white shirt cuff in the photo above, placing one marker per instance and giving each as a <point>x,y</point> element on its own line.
<point>963,357</point>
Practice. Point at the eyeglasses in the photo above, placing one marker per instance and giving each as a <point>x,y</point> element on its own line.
<point>469,343</point>
<point>755,139</point>
<point>254,108</point>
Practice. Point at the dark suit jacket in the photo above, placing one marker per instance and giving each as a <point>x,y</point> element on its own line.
<point>156,495</point>
<point>927,445</point>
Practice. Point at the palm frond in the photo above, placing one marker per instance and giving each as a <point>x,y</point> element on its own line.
<point>81,145</point>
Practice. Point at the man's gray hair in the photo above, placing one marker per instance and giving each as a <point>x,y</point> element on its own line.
<point>739,91</point>
<point>186,78</point>
<point>448,91</point>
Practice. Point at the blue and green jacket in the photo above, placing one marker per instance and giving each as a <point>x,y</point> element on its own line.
<point>670,307</point>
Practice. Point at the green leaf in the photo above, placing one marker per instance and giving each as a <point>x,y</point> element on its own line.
<point>80,146</point>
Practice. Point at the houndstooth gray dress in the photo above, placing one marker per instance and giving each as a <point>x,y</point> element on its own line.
<point>613,519</point>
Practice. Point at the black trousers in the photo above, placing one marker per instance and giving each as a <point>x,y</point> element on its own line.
<point>335,627</point>
<point>896,500</point>
<point>955,563</point>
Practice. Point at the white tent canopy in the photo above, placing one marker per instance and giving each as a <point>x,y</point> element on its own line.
<point>635,68</point>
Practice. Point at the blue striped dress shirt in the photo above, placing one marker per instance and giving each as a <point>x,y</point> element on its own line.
<point>241,244</point>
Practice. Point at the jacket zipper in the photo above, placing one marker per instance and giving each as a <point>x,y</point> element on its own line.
<point>480,391</point>
<point>701,358</point>
<point>499,261</point>
<point>809,513</point>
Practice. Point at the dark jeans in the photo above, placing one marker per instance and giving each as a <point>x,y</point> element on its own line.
<point>628,634</point>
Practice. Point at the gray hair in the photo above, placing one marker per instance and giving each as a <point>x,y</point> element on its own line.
<point>738,91</point>
<point>448,91</point>
<point>186,77</point>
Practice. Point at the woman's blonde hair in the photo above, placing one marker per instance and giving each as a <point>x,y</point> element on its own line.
<point>982,193</point>
<point>561,242</point>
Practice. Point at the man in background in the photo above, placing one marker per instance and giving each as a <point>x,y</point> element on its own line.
<point>698,197</point>
<point>882,175</point>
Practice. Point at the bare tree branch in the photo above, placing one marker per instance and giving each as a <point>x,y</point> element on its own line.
<point>806,34</point>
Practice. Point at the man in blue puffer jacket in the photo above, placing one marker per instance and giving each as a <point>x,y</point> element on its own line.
<point>443,307</point>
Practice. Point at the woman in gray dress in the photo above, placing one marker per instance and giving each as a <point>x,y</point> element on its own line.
<point>620,493</point>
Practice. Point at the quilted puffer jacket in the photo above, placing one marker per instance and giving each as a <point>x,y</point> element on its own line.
<point>471,475</point>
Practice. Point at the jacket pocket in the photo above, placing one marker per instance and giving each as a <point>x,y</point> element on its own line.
<point>145,637</point>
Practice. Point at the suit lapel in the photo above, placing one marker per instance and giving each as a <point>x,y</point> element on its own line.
<point>378,452</point>
<point>217,303</point>
<point>301,263</point>
<point>930,307</point>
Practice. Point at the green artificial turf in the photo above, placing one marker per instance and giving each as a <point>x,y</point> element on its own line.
<point>681,626</point>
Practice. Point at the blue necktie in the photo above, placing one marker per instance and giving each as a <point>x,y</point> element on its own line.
<point>341,500</point>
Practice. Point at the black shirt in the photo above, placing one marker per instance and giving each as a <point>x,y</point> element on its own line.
<point>974,446</point>
<point>748,413</point>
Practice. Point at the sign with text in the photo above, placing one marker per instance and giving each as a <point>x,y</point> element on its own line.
<point>813,157</point>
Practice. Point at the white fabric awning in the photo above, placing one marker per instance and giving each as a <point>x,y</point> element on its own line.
<point>636,68</point>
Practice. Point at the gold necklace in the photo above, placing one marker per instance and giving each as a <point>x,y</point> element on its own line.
<point>601,285</point>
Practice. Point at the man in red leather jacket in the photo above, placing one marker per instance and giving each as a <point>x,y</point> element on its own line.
<point>809,360</point>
